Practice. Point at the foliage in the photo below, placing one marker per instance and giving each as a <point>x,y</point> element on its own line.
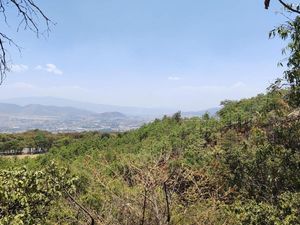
<point>286,211</point>
<point>290,31</point>
<point>240,167</point>
<point>27,196</point>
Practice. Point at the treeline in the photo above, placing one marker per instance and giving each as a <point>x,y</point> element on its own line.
<point>33,140</point>
<point>240,167</point>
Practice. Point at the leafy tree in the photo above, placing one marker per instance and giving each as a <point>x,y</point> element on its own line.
<point>41,141</point>
<point>26,197</point>
<point>290,31</point>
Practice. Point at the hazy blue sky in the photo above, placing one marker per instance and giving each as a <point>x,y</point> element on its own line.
<point>187,55</point>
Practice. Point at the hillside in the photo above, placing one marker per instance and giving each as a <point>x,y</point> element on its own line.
<point>241,167</point>
<point>148,112</point>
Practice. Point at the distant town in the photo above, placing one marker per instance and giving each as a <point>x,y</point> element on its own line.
<point>69,116</point>
<point>16,125</point>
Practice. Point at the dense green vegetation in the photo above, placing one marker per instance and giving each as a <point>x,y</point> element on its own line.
<point>240,167</point>
<point>15,143</point>
<point>36,139</point>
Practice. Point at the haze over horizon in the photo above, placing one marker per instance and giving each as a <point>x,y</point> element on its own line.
<point>146,54</point>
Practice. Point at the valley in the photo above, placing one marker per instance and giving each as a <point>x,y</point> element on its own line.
<point>38,114</point>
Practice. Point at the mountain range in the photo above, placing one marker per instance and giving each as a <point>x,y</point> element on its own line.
<point>98,108</point>
<point>36,110</point>
<point>101,108</point>
<point>16,118</point>
<point>62,115</point>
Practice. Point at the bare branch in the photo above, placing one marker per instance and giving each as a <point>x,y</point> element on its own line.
<point>3,58</point>
<point>29,14</point>
<point>144,206</point>
<point>286,5</point>
<point>81,207</point>
<point>165,188</point>
<point>289,7</point>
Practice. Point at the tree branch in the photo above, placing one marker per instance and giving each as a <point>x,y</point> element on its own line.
<point>81,207</point>
<point>144,206</point>
<point>30,14</point>
<point>165,188</point>
<point>289,7</point>
<point>286,5</point>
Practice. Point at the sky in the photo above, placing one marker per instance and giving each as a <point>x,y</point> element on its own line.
<point>186,55</point>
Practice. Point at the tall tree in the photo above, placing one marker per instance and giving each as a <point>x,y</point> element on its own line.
<point>290,31</point>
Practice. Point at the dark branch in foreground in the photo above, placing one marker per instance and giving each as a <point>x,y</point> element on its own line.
<point>288,6</point>
<point>81,207</point>
<point>30,15</point>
